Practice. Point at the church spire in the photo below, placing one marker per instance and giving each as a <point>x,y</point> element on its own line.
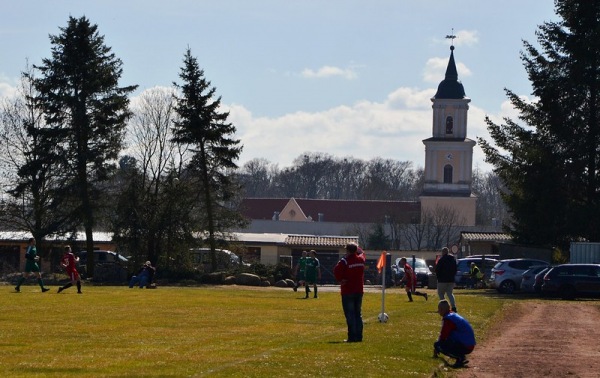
<point>451,73</point>
<point>451,87</point>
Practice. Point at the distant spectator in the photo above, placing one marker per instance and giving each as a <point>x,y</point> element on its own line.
<point>144,276</point>
<point>476,275</point>
<point>445,271</point>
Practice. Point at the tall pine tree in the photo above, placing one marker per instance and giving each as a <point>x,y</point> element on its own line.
<point>85,111</point>
<point>203,127</point>
<point>550,165</point>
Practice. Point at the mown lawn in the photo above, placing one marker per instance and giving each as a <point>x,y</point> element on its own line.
<point>219,332</point>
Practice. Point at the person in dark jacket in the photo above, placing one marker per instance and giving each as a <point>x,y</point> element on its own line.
<point>456,339</point>
<point>144,276</point>
<point>350,273</point>
<point>445,271</point>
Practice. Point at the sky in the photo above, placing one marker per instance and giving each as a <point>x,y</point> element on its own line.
<point>346,78</point>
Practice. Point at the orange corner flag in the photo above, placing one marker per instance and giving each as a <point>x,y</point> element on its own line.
<point>381,261</point>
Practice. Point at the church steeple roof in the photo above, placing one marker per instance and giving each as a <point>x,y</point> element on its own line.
<point>451,87</point>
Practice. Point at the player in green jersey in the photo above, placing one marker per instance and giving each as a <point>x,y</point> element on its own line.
<point>31,267</point>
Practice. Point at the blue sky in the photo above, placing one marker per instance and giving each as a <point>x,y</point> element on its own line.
<point>342,77</point>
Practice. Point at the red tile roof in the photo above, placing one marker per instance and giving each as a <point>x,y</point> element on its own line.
<point>345,211</point>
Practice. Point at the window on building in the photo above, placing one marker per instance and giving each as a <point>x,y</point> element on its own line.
<point>448,174</point>
<point>449,125</point>
<point>252,255</point>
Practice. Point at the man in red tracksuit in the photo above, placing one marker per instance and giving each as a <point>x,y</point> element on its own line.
<point>350,273</point>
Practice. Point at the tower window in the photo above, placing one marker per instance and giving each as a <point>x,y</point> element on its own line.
<point>447,174</point>
<point>449,125</point>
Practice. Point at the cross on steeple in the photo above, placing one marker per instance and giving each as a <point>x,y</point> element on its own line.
<point>451,37</point>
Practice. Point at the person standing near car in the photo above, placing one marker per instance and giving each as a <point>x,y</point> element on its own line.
<point>350,273</point>
<point>445,271</point>
<point>456,338</point>
<point>31,267</point>
<point>476,275</point>
<point>410,280</point>
<point>68,262</point>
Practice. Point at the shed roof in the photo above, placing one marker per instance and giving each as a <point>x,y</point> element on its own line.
<point>485,236</point>
<point>320,241</point>
<point>79,236</point>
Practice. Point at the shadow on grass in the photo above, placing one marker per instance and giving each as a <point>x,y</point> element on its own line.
<point>445,367</point>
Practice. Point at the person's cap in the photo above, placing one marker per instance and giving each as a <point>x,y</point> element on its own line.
<point>472,263</point>
<point>148,263</point>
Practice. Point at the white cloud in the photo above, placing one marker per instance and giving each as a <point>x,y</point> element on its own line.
<point>466,38</point>
<point>329,71</point>
<point>8,87</point>
<point>393,129</point>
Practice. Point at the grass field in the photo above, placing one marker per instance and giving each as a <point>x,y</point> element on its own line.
<point>220,332</point>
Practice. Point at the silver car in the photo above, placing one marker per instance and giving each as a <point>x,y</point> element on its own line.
<point>507,274</point>
<point>528,278</point>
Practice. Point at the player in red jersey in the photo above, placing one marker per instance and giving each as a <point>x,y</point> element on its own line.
<point>68,262</point>
<point>410,280</point>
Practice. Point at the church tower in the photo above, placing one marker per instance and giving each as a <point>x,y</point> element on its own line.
<point>449,153</point>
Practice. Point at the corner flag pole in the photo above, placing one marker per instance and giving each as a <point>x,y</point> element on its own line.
<point>381,268</point>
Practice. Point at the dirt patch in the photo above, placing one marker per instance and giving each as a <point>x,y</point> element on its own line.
<point>541,339</point>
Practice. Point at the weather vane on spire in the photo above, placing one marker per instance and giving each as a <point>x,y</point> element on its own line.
<point>451,38</point>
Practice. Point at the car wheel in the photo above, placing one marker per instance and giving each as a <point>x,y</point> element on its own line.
<point>567,292</point>
<point>507,287</point>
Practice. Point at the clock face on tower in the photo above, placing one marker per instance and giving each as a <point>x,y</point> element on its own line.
<point>449,157</point>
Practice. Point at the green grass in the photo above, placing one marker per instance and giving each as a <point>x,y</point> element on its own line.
<point>219,332</point>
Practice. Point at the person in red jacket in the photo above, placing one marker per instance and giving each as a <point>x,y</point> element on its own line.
<point>350,273</point>
<point>410,280</point>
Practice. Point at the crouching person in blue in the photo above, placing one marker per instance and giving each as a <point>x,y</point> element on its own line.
<point>144,276</point>
<point>457,338</point>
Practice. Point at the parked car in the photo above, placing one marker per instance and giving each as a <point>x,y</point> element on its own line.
<point>463,269</point>
<point>528,278</point>
<point>225,258</point>
<point>539,280</point>
<point>490,256</point>
<point>570,281</point>
<point>110,266</point>
<point>421,270</point>
<point>103,257</point>
<point>506,274</point>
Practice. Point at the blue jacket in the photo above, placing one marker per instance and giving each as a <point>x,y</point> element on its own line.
<point>460,330</point>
